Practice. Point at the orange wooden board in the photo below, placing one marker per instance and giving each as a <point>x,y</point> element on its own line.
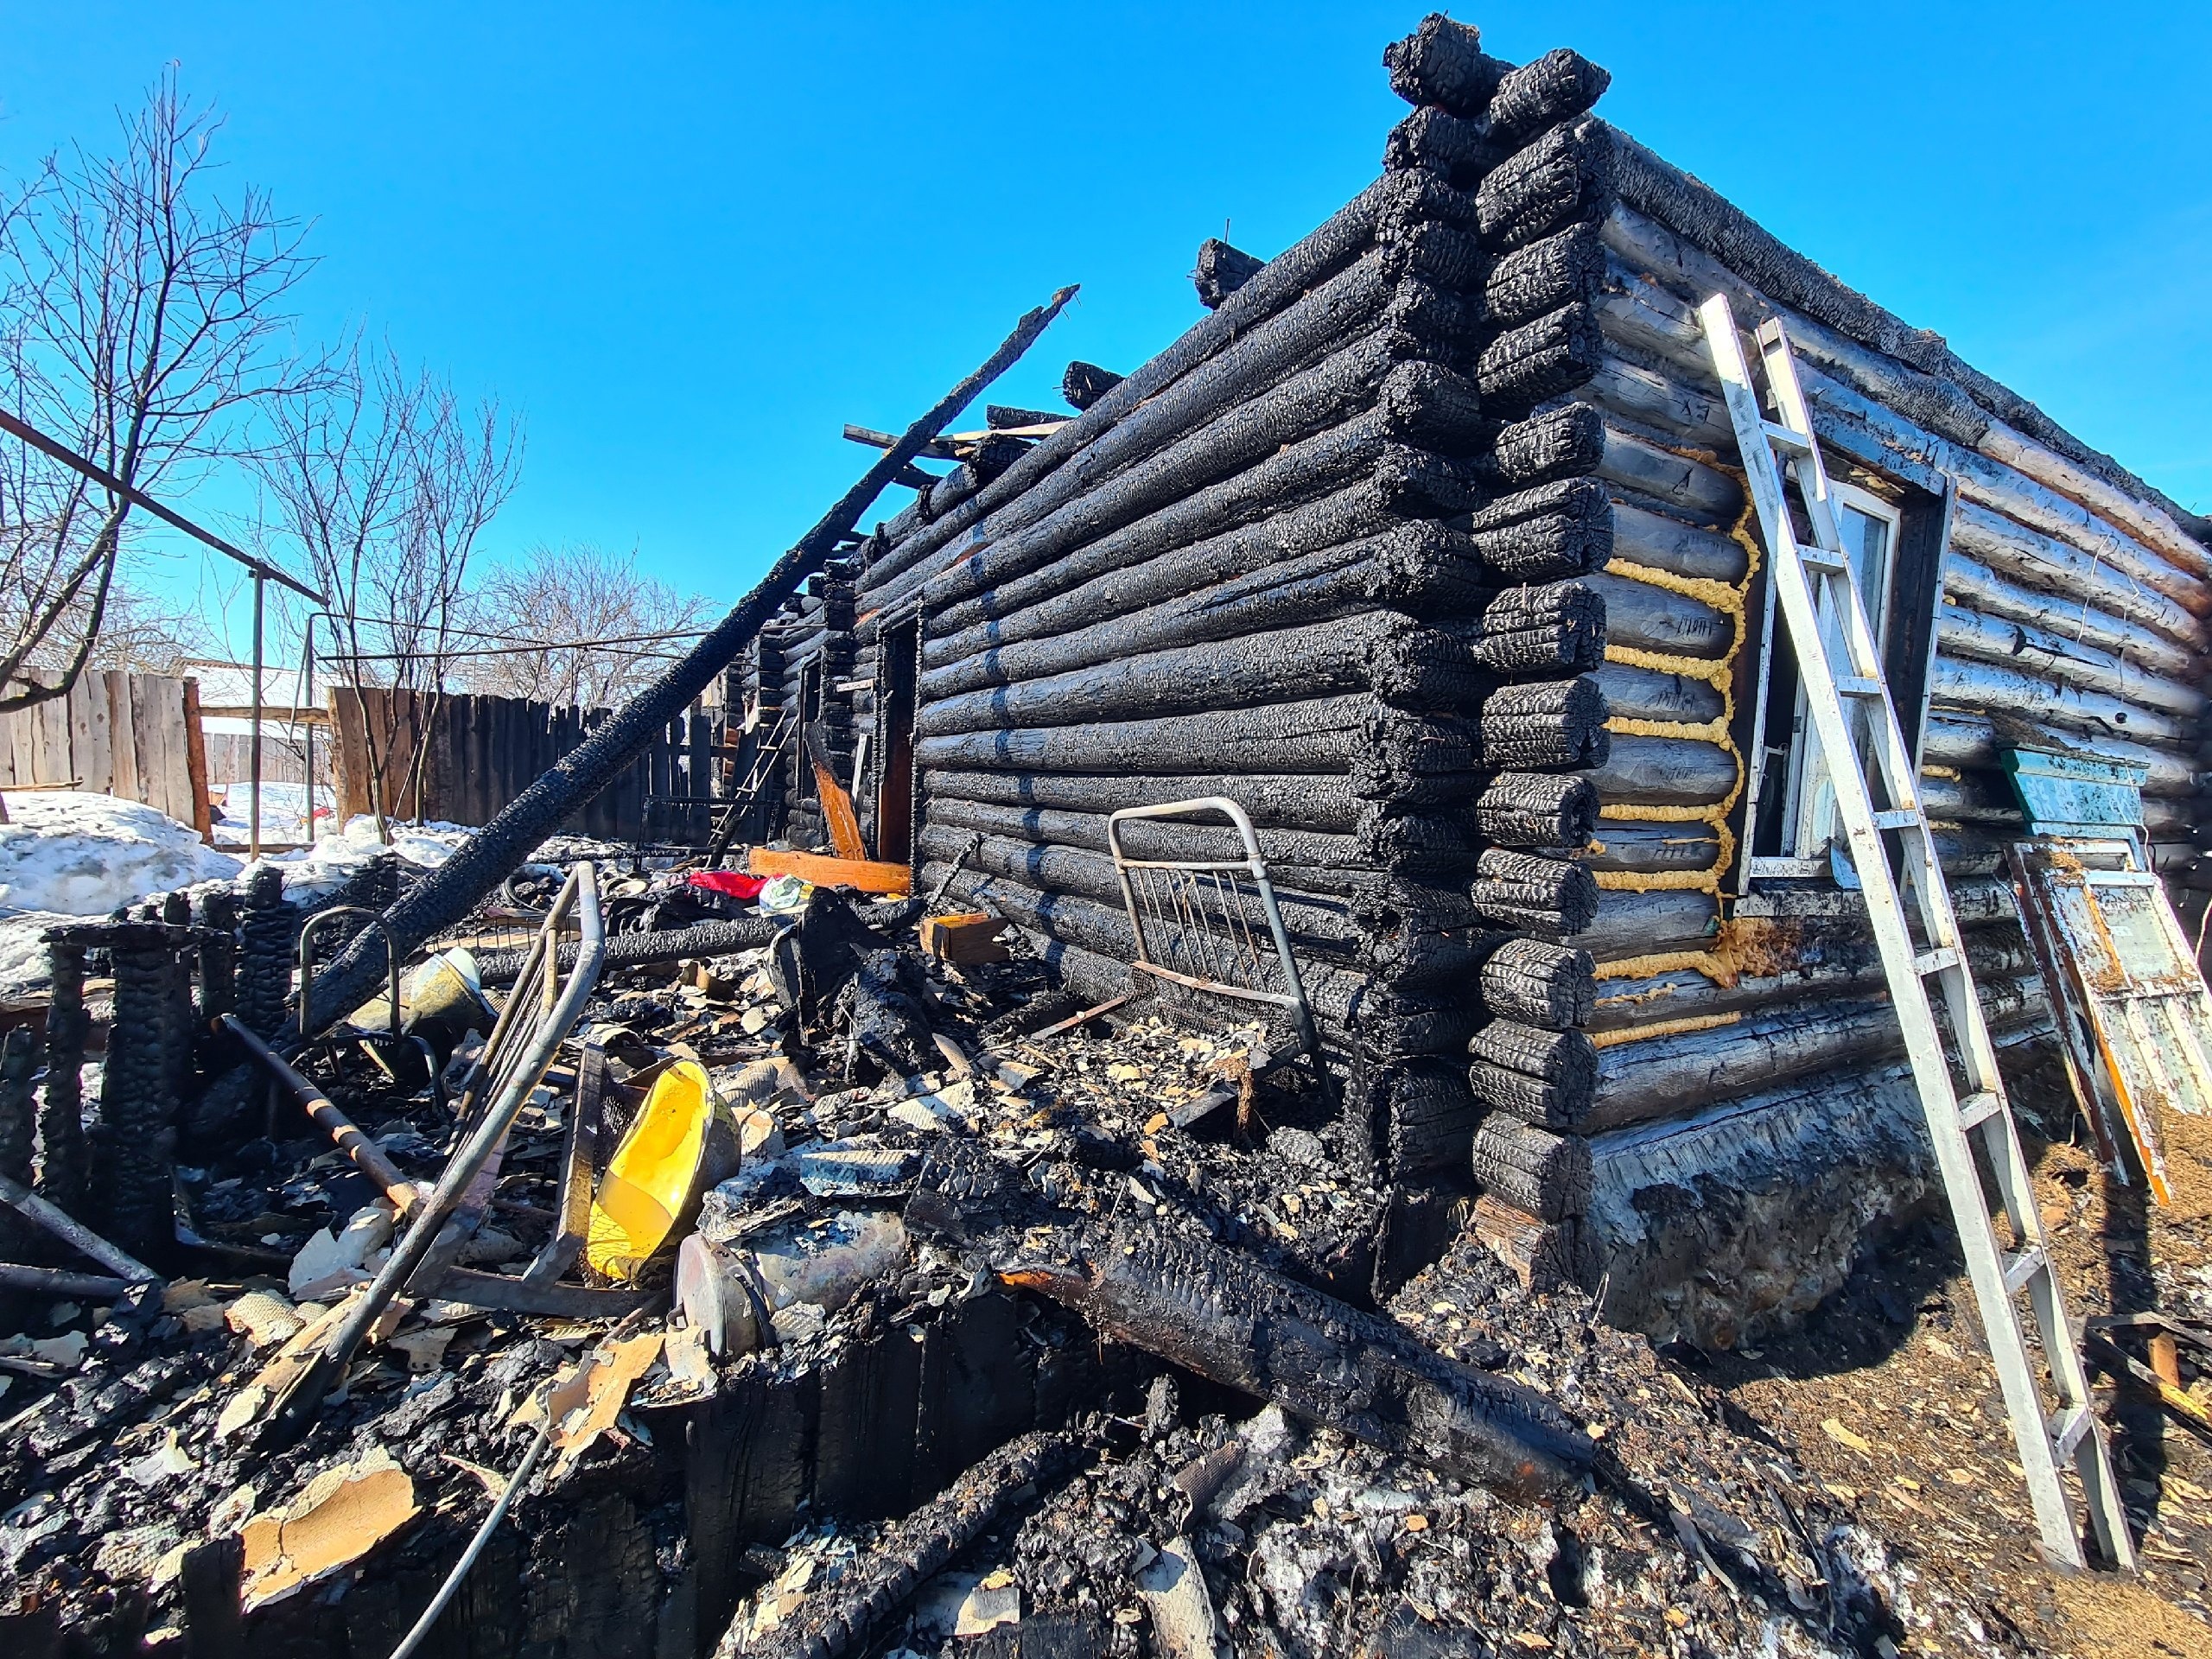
<point>826,872</point>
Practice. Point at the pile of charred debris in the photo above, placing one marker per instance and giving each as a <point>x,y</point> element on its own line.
<point>672,1281</point>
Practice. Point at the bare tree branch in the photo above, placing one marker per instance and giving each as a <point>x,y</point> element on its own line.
<point>141,324</point>
<point>140,631</point>
<point>384,480</point>
<point>557,597</point>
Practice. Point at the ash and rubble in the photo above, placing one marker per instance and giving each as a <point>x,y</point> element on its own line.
<point>731,1489</point>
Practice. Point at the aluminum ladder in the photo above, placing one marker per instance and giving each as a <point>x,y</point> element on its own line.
<point>766,757</point>
<point>1840,667</point>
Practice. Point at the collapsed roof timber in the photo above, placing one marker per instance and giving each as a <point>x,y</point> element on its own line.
<point>1428,550</point>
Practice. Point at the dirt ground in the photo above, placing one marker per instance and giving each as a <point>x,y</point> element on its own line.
<point>1888,1397</point>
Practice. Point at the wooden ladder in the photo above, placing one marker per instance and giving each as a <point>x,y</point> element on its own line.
<point>1840,667</point>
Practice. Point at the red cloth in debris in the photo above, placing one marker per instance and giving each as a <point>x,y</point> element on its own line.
<point>734,884</point>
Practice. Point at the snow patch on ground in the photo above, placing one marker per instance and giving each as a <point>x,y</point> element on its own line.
<point>65,855</point>
<point>313,872</point>
<point>284,813</point>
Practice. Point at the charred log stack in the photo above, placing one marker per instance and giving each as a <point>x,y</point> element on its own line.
<point>1326,557</point>
<point>1715,1014</point>
<point>1428,545</point>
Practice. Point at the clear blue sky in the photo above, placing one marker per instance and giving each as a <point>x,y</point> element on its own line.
<point>689,241</point>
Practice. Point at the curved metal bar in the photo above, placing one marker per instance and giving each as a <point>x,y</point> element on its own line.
<point>454,1578</point>
<point>294,1412</point>
<point>313,925</point>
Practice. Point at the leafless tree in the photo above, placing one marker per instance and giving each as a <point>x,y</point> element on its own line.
<point>141,630</point>
<point>384,480</point>
<point>578,625</point>
<point>141,324</point>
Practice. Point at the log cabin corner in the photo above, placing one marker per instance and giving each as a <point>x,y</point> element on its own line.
<point>1429,546</point>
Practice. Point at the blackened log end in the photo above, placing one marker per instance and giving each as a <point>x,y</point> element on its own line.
<point>1084,383</point>
<point>1442,63</point>
<point>1222,270</point>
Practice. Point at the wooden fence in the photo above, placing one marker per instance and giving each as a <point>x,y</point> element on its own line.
<point>283,755</point>
<point>481,751</point>
<point>135,736</point>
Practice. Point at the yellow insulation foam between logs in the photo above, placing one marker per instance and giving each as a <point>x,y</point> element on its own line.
<point>1720,674</point>
<point>1664,1028</point>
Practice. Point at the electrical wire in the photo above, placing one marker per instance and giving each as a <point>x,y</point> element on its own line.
<point>447,1591</point>
<point>612,648</point>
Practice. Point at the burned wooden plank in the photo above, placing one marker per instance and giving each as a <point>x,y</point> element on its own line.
<point>745,1473</point>
<point>1218,1313</point>
<point>1404,663</point>
<point>864,1465</point>
<point>1035,486</point>
<point>1321,804</point>
<point>1423,570</point>
<point>840,1620</point>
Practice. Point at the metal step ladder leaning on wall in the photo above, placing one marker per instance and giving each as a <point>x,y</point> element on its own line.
<point>1840,667</point>
<point>774,743</point>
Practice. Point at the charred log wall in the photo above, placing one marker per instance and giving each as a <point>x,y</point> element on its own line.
<point>1429,545</point>
<point>1333,560</point>
<point>2066,606</point>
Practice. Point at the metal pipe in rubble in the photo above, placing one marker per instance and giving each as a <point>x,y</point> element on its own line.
<point>456,886</point>
<point>292,1414</point>
<point>56,1282</point>
<point>328,1116</point>
<point>75,1233</point>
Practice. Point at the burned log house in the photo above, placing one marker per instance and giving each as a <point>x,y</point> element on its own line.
<point>1430,546</point>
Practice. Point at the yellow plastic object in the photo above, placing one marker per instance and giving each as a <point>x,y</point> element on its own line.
<point>651,1179</point>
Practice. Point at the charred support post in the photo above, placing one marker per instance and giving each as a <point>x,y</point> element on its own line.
<point>493,854</point>
<point>67,1169</point>
<point>219,954</point>
<point>18,1061</point>
<point>264,969</point>
<point>259,985</point>
<point>142,1082</point>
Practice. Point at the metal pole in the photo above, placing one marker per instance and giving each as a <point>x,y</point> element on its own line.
<point>253,830</point>
<point>74,1232</point>
<point>328,1117</point>
<point>110,482</point>
<point>305,700</point>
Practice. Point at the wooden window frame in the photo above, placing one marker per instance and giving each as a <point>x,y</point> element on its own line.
<point>1921,532</point>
